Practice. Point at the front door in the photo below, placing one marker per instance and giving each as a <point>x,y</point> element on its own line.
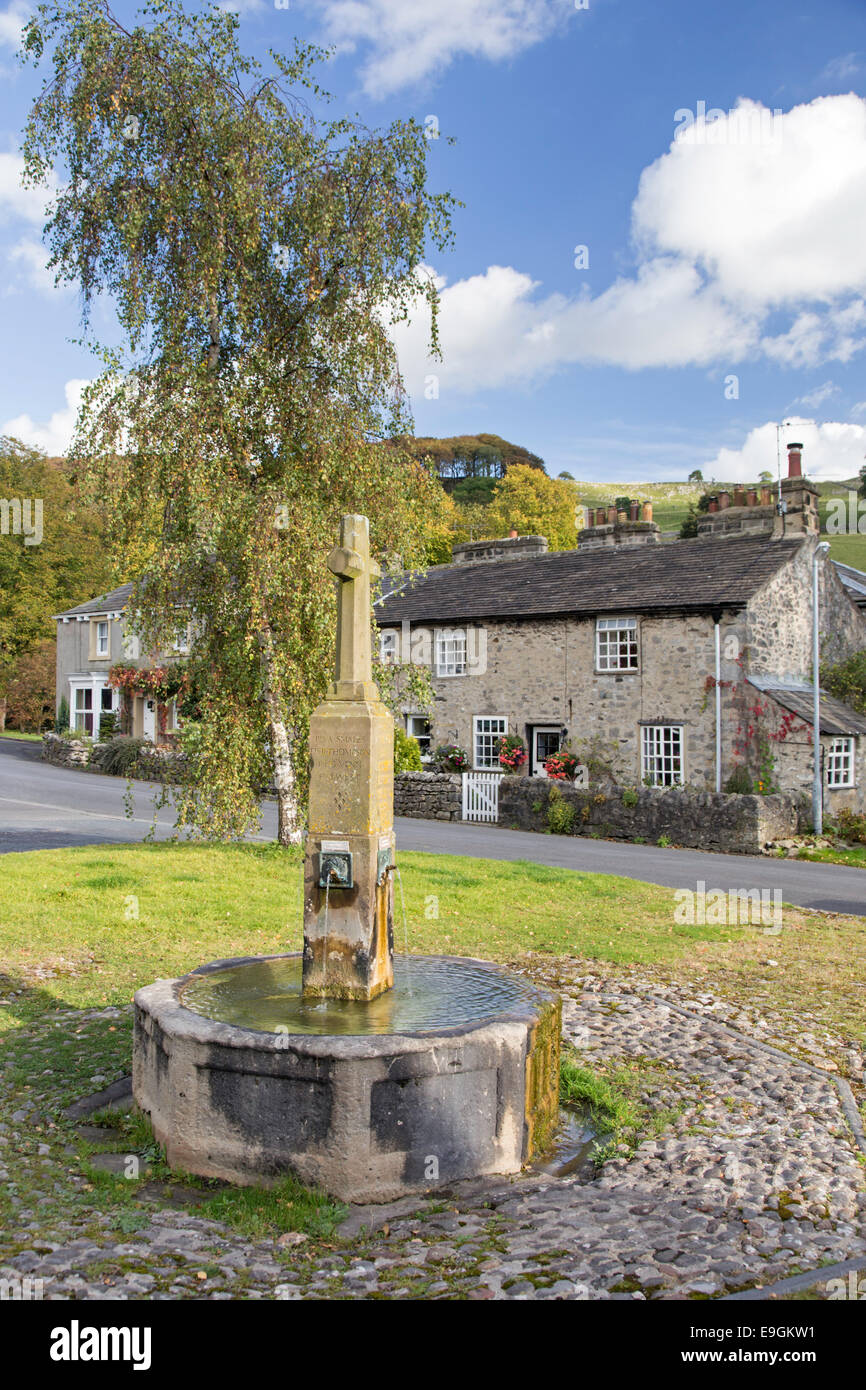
<point>148,720</point>
<point>545,741</point>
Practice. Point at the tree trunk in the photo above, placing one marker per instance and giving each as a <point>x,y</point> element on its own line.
<point>2,713</point>
<point>289,830</point>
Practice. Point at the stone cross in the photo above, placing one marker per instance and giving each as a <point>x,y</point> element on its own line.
<point>354,568</point>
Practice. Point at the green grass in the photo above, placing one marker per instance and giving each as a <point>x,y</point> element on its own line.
<point>17,733</point>
<point>618,1098</point>
<point>69,933</point>
<point>855,857</point>
<point>105,921</point>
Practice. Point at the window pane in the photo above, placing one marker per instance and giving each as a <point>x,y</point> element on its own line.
<point>662,754</point>
<point>616,644</point>
<point>418,727</point>
<point>451,652</point>
<point>488,731</point>
<point>839,763</point>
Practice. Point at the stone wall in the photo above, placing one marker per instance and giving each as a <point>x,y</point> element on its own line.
<point>430,795</point>
<point>65,752</point>
<point>697,820</point>
<point>153,765</point>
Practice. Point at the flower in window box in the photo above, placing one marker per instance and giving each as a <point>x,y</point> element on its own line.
<point>512,753</point>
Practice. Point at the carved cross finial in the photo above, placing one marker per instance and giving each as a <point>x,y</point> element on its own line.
<point>354,568</point>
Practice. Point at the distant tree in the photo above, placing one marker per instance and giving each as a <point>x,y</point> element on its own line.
<point>696,476</point>
<point>689,527</point>
<point>529,502</point>
<point>862,488</point>
<point>70,562</point>
<point>469,455</point>
<point>765,476</point>
<point>569,477</point>
<point>255,253</point>
<point>847,680</point>
<point>475,490</point>
<point>30,689</point>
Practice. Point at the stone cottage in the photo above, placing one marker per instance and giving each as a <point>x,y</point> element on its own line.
<point>92,638</point>
<point>672,663</point>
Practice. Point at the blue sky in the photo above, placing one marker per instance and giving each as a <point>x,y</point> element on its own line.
<point>723,284</point>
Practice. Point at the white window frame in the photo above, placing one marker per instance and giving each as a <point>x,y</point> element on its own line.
<point>181,643</point>
<point>451,656</point>
<point>616,644</point>
<point>389,646</point>
<point>839,764</point>
<point>410,720</point>
<point>102,651</point>
<point>95,684</point>
<point>483,733</point>
<point>661,744</point>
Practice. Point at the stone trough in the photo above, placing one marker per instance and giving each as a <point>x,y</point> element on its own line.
<point>367,1117</point>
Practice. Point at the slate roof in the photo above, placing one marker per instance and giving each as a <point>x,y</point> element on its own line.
<point>112,602</point>
<point>854,582</point>
<point>690,575</point>
<point>834,716</point>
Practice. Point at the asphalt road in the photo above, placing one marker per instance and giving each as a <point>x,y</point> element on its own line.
<point>45,807</point>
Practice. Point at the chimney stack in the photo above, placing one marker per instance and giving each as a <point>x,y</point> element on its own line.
<point>795,463</point>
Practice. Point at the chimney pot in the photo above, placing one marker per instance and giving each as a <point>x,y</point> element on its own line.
<point>512,534</point>
<point>647,511</point>
<point>795,462</point>
<point>724,499</point>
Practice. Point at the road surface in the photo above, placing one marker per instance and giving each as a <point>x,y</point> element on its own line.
<point>46,807</point>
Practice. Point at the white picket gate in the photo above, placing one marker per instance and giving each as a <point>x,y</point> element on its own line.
<point>481,796</point>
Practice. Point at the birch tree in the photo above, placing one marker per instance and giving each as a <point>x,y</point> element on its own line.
<point>247,253</point>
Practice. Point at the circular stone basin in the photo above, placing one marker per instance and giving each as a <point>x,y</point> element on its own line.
<point>452,1074</point>
<point>430,993</point>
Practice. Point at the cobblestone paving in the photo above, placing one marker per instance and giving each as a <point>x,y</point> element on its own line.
<point>757,1176</point>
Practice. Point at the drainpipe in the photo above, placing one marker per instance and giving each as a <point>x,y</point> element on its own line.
<point>718,636</point>
<point>817,807</point>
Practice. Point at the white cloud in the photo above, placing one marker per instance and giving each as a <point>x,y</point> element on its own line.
<point>831,451</point>
<point>773,219</point>
<point>406,41</point>
<point>32,257</point>
<point>748,245</point>
<point>840,69</point>
<point>16,201</point>
<point>819,395</point>
<point>12,21</point>
<point>493,331</point>
<point>55,435</point>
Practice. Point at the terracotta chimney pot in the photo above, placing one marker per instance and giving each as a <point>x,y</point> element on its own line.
<point>713,505</point>
<point>647,511</point>
<point>766,497</point>
<point>724,499</point>
<point>634,511</point>
<point>512,534</point>
<point>795,462</point>
<point>611,515</point>
<point>752,497</point>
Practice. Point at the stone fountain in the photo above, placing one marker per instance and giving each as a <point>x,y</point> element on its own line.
<point>366,1076</point>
